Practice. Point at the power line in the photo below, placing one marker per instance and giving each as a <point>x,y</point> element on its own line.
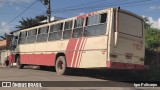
<point>81,4</point>
<point>25,7</point>
<point>88,7</point>
<point>20,14</point>
<point>143,1</point>
<point>101,6</point>
<point>43,3</point>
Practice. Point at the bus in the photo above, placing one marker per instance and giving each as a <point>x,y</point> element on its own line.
<point>109,39</point>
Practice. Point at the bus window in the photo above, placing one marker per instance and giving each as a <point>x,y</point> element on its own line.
<point>77,31</point>
<point>56,27</point>
<point>67,30</point>
<point>95,25</point>
<point>22,38</point>
<point>42,34</point>
<point>32,36</point>
<point>14,43</point>
<point>32,32</point>
<point>92,20</point>
<point>55,32</point>
<point>68,25</point>
<point>23,34</point>
<point>43,30</point>
<point>103,18</point>
<point>15,40</point>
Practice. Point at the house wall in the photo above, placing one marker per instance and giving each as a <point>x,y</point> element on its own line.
<point>3,51</point>
<point>3,56</point>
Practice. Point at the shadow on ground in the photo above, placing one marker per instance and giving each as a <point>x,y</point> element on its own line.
<point>114,75</point>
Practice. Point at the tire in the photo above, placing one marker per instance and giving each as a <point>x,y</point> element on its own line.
<point>19,65</point>
<point>61,65</point>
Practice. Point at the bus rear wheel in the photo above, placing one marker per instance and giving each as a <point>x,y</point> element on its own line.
<point>19,65</point>
<point>61,65</point>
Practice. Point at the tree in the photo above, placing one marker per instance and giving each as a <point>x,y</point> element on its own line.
<point>40,18</point>
<point>30,22</point>
<point>152,40</point>
<point>152,36</point>
<point>147,23</point>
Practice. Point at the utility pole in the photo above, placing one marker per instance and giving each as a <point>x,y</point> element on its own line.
<point>48,4</point>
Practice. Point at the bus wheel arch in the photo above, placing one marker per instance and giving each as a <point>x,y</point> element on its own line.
<point>57,55</point>
<point>61,64</point>
<point>17,60</point>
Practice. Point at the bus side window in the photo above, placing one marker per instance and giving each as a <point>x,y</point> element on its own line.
<point>15,40</point>
<point>14,43</point>
<point>22,39</point>
<point>42,34</point>
<point>103,18</point>
<point>31,36</point>
<point>67,30</point>
<point>96,25</point>
<point>78,25</point>
<point>55,32</point>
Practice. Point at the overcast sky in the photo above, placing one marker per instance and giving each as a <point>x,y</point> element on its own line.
<point>9,9</point>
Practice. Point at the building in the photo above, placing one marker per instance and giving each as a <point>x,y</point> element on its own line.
<point>55,18</point>
<point>3,51</point>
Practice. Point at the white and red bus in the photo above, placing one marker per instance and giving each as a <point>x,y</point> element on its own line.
<point>110,38</point>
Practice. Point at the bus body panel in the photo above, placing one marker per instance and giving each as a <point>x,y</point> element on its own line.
<point>94,52</point>
<point>38,59</point>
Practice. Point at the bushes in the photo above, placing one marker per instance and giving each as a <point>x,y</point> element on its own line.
<point>151,58</point>
<point>152,74</point>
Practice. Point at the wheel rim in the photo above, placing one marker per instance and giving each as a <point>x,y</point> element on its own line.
<point>60,65</point>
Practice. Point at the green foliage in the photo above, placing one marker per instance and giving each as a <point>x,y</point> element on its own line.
<point>152,38</point>
<point>30,22</point>
<point>152,44</point>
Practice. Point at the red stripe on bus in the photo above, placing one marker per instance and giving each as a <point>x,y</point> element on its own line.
<point>70,47</point>
<point>80,52</point>
<point>85,40</point>
<point>76,51</point>
<point>119,65</point>
<point>38,59</point>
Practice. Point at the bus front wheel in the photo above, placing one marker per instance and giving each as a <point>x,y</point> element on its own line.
<point>19,65</point>
<point>61,65</point>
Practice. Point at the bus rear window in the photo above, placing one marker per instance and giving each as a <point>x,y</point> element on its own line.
<point>130,25</point>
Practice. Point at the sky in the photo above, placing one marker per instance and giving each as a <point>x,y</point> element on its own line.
<point>10,10</point>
